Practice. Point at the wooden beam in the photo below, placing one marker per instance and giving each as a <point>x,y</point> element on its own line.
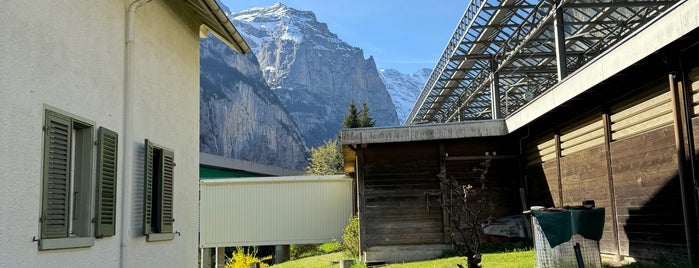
<point>607,125</point>
<point>557,138</point>
<point>443,170</point>
<point>688,209</point>
<point>361,204</point>
<point>478,157</point>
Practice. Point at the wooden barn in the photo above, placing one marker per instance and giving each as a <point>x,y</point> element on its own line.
<point>615,123</point>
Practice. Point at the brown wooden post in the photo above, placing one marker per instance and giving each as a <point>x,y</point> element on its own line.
<point>557,138</point>
<point>687,194</point>
<point>443,170</point>
<point>361,206</point>
<point>606,119</point>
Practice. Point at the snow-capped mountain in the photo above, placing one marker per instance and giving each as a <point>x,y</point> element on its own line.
<point>312,71</point>
<point>240,116</point>
<point>404,88</point>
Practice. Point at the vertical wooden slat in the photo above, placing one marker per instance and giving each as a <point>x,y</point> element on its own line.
<point>443,170</point>
<point>687,194</point>
<point>56,196</point>
<point>612,196</point>
<point>557,138</point>
<point>362,203</point>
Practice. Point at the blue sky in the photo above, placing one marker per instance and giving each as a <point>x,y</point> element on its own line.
<point>404,35</point>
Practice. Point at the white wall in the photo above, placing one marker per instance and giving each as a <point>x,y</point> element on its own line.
<point>70,55</point>
<point>166,112</point>
<point>274,210</point>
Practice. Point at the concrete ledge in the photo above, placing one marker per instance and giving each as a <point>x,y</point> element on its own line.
<point>404,253</point>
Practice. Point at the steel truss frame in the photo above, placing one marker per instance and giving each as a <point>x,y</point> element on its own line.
<point>513,50</point>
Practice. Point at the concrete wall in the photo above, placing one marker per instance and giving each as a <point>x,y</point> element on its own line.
<point>70,55</point>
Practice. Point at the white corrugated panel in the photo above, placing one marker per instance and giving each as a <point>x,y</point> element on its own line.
<point>274,210</point>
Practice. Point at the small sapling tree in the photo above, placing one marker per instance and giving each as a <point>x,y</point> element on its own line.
<point>467,206</point>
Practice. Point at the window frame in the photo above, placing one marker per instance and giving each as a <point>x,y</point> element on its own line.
<point>158,192</point>
<point>76,230</point>
<point>84,159</point>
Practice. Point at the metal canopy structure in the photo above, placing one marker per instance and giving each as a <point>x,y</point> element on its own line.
<point>513,50</point>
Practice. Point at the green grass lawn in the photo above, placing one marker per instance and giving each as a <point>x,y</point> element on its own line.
<point>321,261</point>
<point>514,259</point>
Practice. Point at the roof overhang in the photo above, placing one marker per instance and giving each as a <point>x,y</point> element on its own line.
<point>486,128</point>
<point>356,138</point>
<point>217,23</point>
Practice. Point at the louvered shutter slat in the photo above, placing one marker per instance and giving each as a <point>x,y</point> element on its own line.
<point>56,176</point>
<point>106,182</point>
<point>148,188</point>
<point>167,191</point>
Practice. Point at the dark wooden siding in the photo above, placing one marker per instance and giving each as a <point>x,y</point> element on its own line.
<point>542,183</point>
<point>401,191</point>
<point>502,175</point>
<point>649,207</point>
<point>643,169</point>
<point>584,176</point>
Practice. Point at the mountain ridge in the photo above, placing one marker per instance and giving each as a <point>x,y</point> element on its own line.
<point>313,72</point>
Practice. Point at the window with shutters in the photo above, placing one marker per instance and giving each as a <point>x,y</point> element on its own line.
<point>158,188</point>
<point>68,213</point>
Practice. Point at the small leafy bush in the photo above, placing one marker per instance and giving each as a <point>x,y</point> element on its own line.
<point>330,247</point>
<point>309,250</point>
<point>303,251</point>
<point>350,237</point>
<point>242,258</point>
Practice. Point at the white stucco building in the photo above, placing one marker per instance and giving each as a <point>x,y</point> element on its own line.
<point>99,136</point>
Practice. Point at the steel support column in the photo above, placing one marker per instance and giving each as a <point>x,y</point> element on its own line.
<point>494,91</point>
<point>560,39</point>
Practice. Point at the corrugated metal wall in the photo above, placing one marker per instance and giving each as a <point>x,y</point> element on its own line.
<point>274,211</point>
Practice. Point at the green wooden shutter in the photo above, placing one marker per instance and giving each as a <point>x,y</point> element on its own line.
<point>148,188</point>
<point>106,182</point>
<point>166,210</point>
<point>56,195</point>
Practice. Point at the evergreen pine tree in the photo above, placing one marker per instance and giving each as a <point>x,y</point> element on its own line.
<point>364,119</point>
<point>351,119</point>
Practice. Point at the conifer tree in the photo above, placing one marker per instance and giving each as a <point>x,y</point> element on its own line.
<point>351,119</point>
<point>364,119</point>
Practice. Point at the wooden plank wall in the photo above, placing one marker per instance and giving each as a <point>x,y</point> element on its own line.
<point>502,175</point>
<point>541,172</point>
<point>649,208</point>
<point>401,191</point>
<point>639,179</point>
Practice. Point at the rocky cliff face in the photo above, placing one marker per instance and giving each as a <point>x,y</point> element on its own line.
<point>404,88</point>
<point>240,116</point>
<point>313,72</point>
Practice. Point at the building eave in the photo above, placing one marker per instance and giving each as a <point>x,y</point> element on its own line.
<point>217,23</point>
